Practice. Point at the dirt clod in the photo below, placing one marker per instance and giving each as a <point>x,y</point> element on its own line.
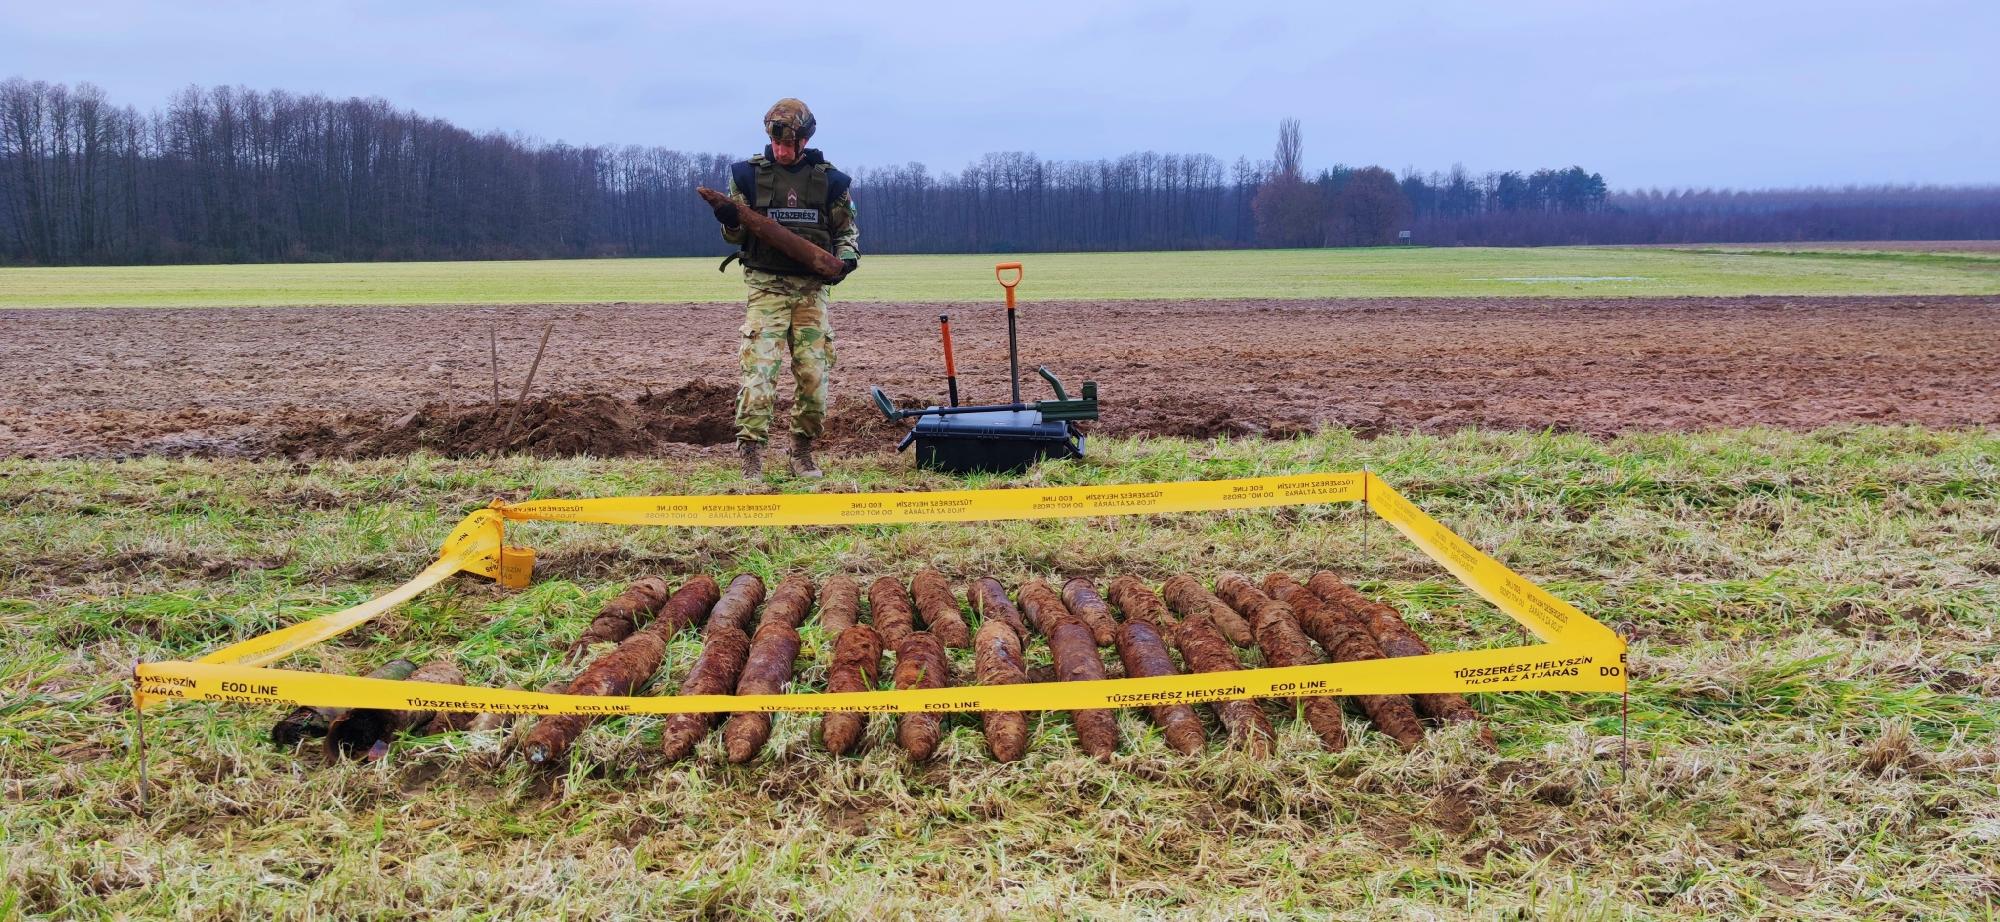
<point>552,426</point>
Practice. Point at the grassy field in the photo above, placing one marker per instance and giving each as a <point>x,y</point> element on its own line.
<point>1814,713</point>
<point>1357,273</point>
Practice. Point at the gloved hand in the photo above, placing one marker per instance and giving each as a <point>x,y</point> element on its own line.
<point>726,213</point>
<point>847,267</point>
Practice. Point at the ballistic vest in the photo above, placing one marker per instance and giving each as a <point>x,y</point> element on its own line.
<point>799,199</point>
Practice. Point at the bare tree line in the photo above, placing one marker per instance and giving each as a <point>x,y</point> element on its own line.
<point>236,175</point>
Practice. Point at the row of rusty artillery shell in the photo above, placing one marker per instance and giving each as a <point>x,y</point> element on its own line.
<point>1288,622</point>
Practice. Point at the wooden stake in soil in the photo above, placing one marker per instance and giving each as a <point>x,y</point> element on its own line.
<point>507,437</point>
<point>921,663</point>
<point>493,347</point>
<point>1346,641</point>
<point>1283,643</point>
<point>774,653</point>
<point>625,670</point>
<point>1367,512</point>
<point>1396,639</point>
<point>939,609</point>
<point>724,645</point>
<point>1074,650</point>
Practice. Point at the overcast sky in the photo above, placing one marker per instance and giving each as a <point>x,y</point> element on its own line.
<point>1742,93</point>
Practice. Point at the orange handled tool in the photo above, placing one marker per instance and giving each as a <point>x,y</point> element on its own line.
<point>950,370</point>
<point>998,273</point>
<point>1013,340</point>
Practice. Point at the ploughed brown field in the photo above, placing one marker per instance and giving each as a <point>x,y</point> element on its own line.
<point>655,379</point>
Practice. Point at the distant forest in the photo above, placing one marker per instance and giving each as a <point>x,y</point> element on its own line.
<point>236,175</point>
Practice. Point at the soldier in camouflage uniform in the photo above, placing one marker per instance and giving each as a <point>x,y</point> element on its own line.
<point>795,186</point>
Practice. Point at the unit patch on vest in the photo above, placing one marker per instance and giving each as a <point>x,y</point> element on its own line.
<point>794,215</point>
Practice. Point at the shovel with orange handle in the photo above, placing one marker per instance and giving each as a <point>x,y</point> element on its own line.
<point>1013,340</point>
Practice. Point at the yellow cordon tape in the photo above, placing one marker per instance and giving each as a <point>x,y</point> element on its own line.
<point>1580,654</point>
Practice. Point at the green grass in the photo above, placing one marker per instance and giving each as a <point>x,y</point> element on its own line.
<point>1986,261</point>
<point>1355,273</point>
<point>1814,720</point>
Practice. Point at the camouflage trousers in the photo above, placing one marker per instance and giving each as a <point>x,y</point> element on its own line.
<point>795,320</point>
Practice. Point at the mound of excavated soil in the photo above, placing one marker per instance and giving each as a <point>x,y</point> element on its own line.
<point>561,425</point>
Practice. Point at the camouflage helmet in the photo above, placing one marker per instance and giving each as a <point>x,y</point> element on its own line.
<point>789,120</point>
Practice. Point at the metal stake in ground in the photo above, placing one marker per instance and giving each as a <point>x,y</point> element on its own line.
<point>1624,711</point>
<point>139,738</point>
<point>1367,511</point>
<point>515,416</point>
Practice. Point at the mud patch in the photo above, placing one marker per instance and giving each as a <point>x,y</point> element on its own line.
<point>563,425</point>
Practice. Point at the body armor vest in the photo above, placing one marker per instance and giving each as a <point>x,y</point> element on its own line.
<point>797,199</point>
